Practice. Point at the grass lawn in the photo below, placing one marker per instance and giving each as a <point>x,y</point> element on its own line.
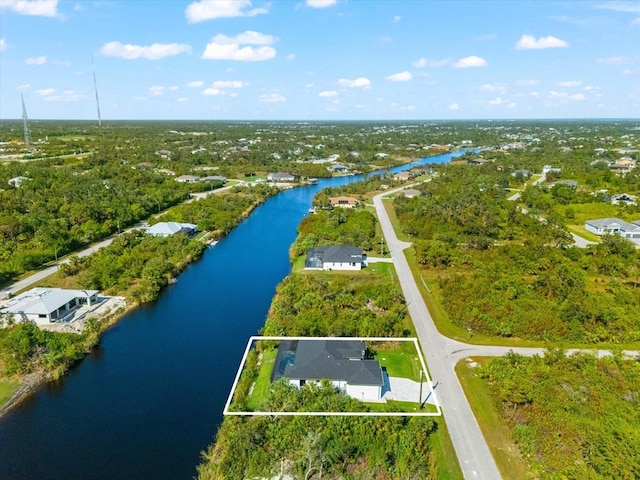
<point>582,232</point>
<point>262,386</point>
<point>399,358</point>
<point>447,466</point>
<point>487,413</point>
<point>7,388</point>
<point>397,406</point>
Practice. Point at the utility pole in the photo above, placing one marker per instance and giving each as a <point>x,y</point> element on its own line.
<point>420,398</point>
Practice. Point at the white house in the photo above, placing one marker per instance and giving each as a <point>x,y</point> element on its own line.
<point>166,229</point>
<point>336,257</point>
<point>281,177</point>
<point>48,305</point>
<point>340,361</point>
<point>616,226</point>
<point>187,179</point>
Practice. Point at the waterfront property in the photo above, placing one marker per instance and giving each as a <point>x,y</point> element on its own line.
<point>336,257</point>
<point>281,177</point>
<point>340,361</point>
<point>166,229</point>
<point>343,202</point>
<point>48,305</point>
<point>615,226</point>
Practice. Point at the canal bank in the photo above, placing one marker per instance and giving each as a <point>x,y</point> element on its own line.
<point>149,399</point>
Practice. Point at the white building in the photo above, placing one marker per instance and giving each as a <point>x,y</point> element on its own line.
<point>48,305</point>
<point>603,226</point>
<point>166,229</point>
<point>342,362</point>
<point>336,257</point>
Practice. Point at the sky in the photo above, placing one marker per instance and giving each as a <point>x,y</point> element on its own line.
<point>319,59</point>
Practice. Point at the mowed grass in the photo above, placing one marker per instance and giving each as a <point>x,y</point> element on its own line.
<point>7,389</point>
<point>447,466</point>
<point>493,426</point>
<point>399,358</point>
<point>262,385</point>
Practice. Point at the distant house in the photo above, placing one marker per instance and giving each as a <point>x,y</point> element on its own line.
<point>17,181</point>
<point>410,193</point>
<point>281,177</point>
<point>338,168</point>
<point>48,305</point>
<point>166,229</point>
<point>624,199</point>
<point>343,202</point>
<point>549,169</point>
<point>340,361</point>
<point>214,178</point>
<point>187,179</point>
<point>615,226</point>
<point>337,257</point>
<point>402,176</point>
<point>522,172</point>
<point>568,183</point>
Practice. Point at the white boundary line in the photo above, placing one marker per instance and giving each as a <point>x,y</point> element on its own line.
<point>429,383</point>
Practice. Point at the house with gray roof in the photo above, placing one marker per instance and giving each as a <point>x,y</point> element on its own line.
<point>48,305</point>
<point>336,257</point>
<point>166,229</point>
<point>340,361</point>
<point>281,177</point>
<point>614,226</point>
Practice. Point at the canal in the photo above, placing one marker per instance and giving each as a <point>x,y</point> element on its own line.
<point>149,399</point>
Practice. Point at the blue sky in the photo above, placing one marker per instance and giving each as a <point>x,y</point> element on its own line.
<point>320,59</point>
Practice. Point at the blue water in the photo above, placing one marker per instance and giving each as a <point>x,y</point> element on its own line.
<point>150,398</point>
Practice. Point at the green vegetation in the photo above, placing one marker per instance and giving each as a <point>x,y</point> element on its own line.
<point>399,358</point>
<point>572,416</point>
<point>310,447</point>
<point>262,385</point>
<point>7,389</point>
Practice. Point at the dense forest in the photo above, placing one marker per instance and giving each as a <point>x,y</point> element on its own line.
<point>572,416</point>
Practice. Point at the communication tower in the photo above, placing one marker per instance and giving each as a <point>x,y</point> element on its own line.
<point>95,87</point>
<point>25,121</point>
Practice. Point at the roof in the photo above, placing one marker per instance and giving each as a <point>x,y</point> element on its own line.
<point>336,254</point>
<point>343,199</point>
<point>43,301</point>
<point>613,223</point>
<point>340,360</point>
<point>170,228</point>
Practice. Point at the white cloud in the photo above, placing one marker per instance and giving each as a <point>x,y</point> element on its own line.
<point>174,88</point>
<point>50,95</point>
<point>361,82</point>
<point>529,42</point>
<point>636,21</point>
<point>211,9</point>
<point>23,86</point>
<point>182,99</point>
<point>212,91</point>
<point>229,84</point>
<point>571,83</point>
<point>320,3</point>
<point>222,47</point>
<point>470,62</point>
<point>3,45</point>
<point>454,106</point>
<point>396,18</point>
<point>400,77</point>
<point>577,96</point>
<point>156,90</point>
<point>425,62</point>
<point>494,87</point>
<point>328,93</point>
<point>512,105</point>
<point>40,8</point>
<point>272,98</point>
<point>628,7</point>
<point>155,51</point>
<point>496,101</point>
<point>528,83</point>
<point>291,56</point>
<point>195,84</point>
<point>46,91</point>
<point>36,60</point>
<point>612,61</point>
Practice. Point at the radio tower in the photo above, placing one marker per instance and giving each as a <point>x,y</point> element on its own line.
<point>25,121</point>
<point>95,87</point>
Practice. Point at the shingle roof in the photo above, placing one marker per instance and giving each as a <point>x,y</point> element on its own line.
<point>336,254</point>
<point>330,359</point>
<point>169,228</point>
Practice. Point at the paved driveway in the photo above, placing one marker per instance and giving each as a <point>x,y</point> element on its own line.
<point>406,390</point>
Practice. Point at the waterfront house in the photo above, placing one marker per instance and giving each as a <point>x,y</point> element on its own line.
<point>343,202</point>
<point>48,305</point>
<point>342,362</point>
<point>336,257</point>
<point>281,177</point>
<point>166,229</point>
<point>187,179</point>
